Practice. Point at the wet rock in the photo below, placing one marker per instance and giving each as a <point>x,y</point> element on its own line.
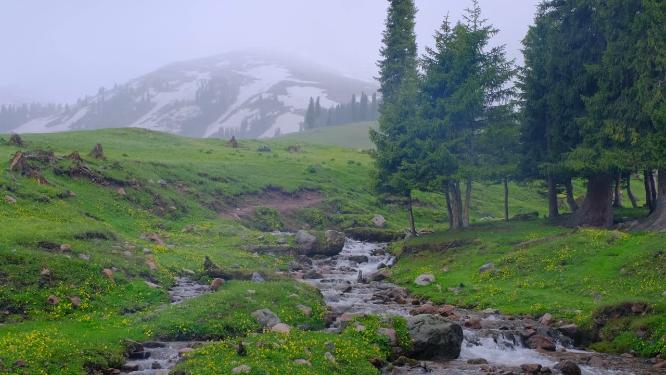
<point>379,221</point>
<point>541,342</point>
<point>216,284</point>
<point>546,319</point>
<point>281,328</point>
<point>266,318</point>
<point>129,367</point>
<point>424,279</point>
<point>659,365</point>
<point>598,362</point>
<point>257,278</point>
<point>568,368</point>
<point>434,337</point>
<point>333,243</point>
<point>531,368</point>
<point>380,275</point>
<point>306,240</point>
<point>359,258</point>
<point>155,366</point>
<point>487,267</point>
<point>473,323</point>
<point>477,361</point>
<point>570,330</point>
<point>242,369</point>
<point>313,275</point>
<point>425,309</point>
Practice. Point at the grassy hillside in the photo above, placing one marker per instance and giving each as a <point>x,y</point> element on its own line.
<point>354,136</point>
<point>88,249</point>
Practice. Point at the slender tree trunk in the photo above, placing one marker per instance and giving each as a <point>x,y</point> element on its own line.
<point>410,208</point>
<point>456,205</point>
<point>597,209</point>
<point>553,211</point>
<point>630,193</point>
<point>649,203</point>
<point>653,190</point>
<point>571,199</point>
<point>468,202</point>
<point>447,196</point>
<point>657,219</point>
<point>617,193</point>
<point>506,199</point>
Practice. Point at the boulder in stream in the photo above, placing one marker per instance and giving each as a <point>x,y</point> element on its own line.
<point>434,338</point>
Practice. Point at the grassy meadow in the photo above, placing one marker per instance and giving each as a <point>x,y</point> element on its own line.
<point>59,240</point>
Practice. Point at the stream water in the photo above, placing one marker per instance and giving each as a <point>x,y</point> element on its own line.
<point>343,282</point>
<point>498,339</point>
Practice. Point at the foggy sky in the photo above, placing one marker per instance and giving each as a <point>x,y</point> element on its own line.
<point>60,50</point>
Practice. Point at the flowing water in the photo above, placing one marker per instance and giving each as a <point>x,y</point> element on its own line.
<point>159,357</point>
<point>498,341</point>
<point>346,290</point>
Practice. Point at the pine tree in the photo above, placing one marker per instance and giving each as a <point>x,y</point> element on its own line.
<point>398,82</point>
<point>363,108</point>
<point>310,116</point>
<point>465,91</point>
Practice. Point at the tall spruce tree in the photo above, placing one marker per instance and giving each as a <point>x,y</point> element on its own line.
<point>466,88</point>
<point>398,113</point>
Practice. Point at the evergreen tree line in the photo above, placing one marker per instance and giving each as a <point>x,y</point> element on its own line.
<point>589,103</point>
<point>357,110</point>
<point>12,116</point>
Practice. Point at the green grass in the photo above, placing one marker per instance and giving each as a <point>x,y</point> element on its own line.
<point>177,187</point>
<point>541,268</point>
<point>356,136</point>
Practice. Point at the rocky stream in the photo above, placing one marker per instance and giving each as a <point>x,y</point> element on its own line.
<point>352,284</point>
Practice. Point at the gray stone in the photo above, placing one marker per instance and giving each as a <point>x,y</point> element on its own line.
<point>257,278</point>
<point>568,368</point>
<point>266,318</point>
<point>379,221</point>
<point>487,267</point>
<point>434,338</point>
<point>425,279</point>
<point>242,369</point>
<point>306,240</point>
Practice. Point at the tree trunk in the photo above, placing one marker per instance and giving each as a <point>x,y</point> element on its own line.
<point>410,208</point>
<point>553,211</point>
<point>657,219</point>
<point>468,202</point>
<point>617,193</point>
<point>649,203</point>
<point>630,193</point>
<point>506,199</point>
<point>653,191</point>
<point>597,208</point>
<point>456,205</point>
<point>447,197</point>
<point>571,200</point>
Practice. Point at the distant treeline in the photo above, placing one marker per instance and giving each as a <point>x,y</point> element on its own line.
<point>12,116</point>
<point>365,109</point>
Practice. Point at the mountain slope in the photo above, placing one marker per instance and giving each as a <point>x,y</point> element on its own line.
<point>248,94</point>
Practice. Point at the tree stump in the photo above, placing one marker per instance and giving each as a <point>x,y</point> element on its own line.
<point>16,140</point>
<point>75,156</point>
<point>18,163</point>
<point>97,152</point>
<point>233,142</point>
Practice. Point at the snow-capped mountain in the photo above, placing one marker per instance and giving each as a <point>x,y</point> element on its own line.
<point>248,94</point>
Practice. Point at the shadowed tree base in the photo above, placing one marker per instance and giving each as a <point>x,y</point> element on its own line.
<point>657,219</point>
<point>597,208</point>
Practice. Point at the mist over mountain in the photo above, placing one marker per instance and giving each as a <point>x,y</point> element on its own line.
<point>246,94</point>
